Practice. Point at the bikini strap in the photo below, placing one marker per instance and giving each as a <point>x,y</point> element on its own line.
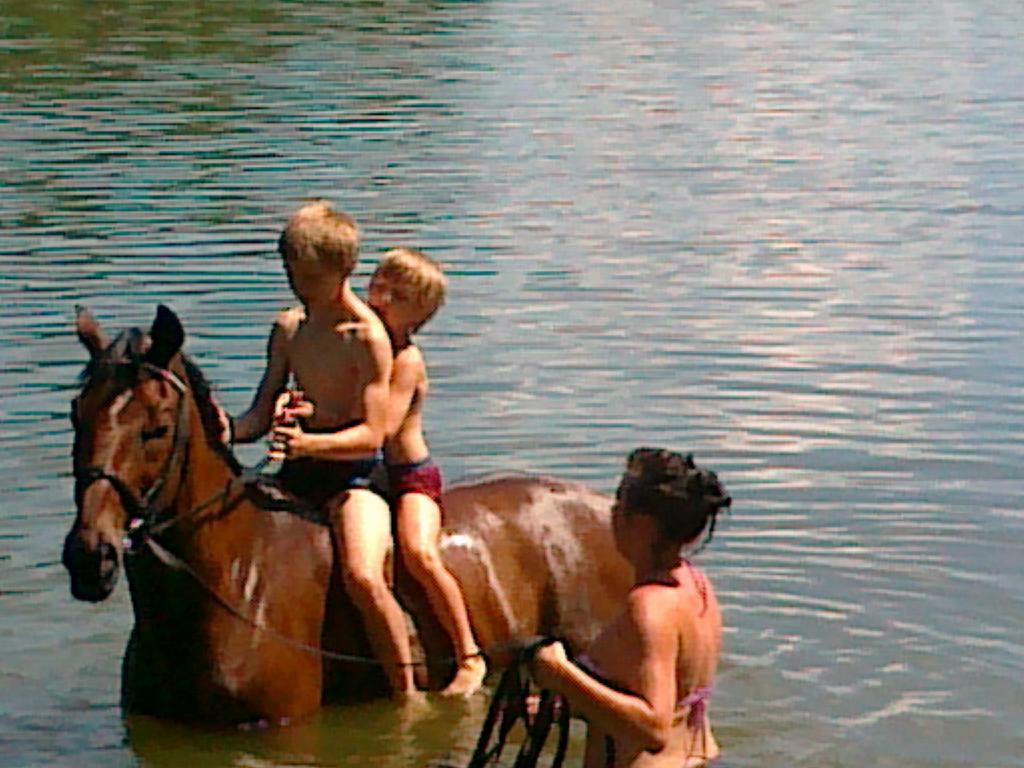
<point>700,583</point>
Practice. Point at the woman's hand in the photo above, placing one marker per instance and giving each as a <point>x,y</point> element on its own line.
<point>547,666</point>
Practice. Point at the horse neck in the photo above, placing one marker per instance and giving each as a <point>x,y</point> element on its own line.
<point>210,521</point>
<point>205,473</point>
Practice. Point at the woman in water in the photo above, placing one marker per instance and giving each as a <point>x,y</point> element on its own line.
<point>644,684</point>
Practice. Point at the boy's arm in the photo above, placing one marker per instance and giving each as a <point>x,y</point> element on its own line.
<point>255,422</point>
<point>364,438</point>
<point>405,378</point>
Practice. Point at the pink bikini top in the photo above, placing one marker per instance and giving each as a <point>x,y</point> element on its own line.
<point>695,702</point>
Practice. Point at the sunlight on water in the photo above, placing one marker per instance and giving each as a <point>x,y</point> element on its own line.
<point>783,238</point>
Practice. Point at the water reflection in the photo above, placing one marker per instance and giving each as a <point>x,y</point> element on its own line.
<point>442,733</point>
<point>786,240</point>
<point>50,48</point>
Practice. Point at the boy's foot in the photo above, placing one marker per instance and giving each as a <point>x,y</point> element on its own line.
<point>468,677</point>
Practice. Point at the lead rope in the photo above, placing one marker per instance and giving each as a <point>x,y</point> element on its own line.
<point>176,563</point>
<point>509,706</point>
<point>247,476</point>
<point>142,534</point>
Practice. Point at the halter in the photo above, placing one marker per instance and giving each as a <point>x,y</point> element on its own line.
<point>142,512</point>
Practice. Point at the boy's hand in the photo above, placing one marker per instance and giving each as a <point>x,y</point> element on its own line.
<point>292,405</point>
<point>287,442</point>
<point>224,420</point>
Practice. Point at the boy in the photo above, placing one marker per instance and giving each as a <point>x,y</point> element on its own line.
<point>406,290</point>
<point>338,351</point>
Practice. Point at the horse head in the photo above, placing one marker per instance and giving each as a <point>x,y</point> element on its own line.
<point>130,426</point>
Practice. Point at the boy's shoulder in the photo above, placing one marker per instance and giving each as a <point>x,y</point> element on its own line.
<point>366,327</point>
<point>410,359</point>
<point>361,332</point>
<point>289,319</point>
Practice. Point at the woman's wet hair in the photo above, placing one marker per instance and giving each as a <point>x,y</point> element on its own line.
<point>684,498</point>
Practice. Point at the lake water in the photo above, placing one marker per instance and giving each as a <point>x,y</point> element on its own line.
<point>785,236</point>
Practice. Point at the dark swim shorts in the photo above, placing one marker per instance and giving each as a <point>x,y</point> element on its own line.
<point>317,481</point>
<point>421,477</point>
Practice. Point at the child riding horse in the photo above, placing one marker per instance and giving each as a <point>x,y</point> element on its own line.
<point>236,595</point>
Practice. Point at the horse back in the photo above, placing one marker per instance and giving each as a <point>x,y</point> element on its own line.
<point>535,556</point>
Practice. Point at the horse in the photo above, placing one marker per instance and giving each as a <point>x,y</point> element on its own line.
<point>240,612</point>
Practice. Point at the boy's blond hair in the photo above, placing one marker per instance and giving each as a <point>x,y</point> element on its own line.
<point>320,234</point>
<point>420,275</point>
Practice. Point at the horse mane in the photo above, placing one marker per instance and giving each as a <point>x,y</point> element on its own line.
<point>202,394</point>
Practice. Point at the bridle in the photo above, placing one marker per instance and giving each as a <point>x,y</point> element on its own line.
<point>143,512</point>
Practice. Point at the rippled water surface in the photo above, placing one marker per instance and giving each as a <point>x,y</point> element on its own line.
<point>786,236</point>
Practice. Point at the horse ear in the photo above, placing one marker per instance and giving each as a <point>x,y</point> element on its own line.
<point>166,337</point>
<point>89,331</point>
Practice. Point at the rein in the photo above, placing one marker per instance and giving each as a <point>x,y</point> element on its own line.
<point>509,705</point>
<point>176,563</point>
<point>145,523</point>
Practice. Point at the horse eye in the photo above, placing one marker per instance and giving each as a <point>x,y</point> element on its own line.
<point>153,434</point>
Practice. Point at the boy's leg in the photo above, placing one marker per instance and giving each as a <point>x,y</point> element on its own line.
<point>419,528</point>
<point>363,525</point>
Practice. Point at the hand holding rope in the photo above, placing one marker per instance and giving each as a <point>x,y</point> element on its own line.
<point>510,704</point>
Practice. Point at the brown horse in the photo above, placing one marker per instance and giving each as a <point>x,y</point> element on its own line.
<point>237,600</point>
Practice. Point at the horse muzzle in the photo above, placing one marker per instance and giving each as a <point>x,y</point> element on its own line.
<point>93,569</point>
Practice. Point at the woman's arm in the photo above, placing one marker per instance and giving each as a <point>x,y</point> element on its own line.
<point>644,716</point>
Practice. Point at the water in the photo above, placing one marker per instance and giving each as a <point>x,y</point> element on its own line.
<point>786,236</point>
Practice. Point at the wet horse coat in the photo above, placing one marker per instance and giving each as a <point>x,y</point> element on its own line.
<point>534,556</point>
<point>233,594</point>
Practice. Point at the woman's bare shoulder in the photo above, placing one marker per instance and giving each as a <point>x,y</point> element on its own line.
<point>653,605</point>
<point>685,591</point>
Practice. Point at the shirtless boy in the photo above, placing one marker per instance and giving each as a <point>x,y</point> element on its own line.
<point>332,431</point>
<point>406,290</point>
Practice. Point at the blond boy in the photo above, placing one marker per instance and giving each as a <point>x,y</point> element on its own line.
<point>406,290</point>
<point>330,433</point>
